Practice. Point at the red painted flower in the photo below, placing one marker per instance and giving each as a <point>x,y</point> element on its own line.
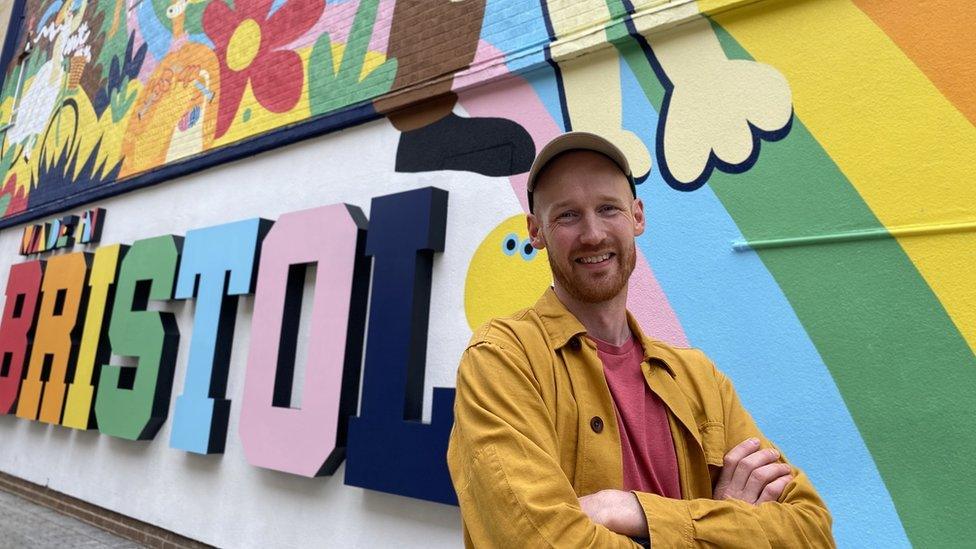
<point>248,41</point>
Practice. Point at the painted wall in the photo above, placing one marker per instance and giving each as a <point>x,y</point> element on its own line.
<point>804,166</point>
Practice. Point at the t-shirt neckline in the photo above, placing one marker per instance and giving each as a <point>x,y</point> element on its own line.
<point>611,349</point>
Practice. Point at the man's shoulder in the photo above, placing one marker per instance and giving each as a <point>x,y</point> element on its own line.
<point>684,362</point>
<point>511,332</point>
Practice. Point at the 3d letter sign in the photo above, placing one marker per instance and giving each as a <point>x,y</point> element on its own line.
<point>406,230</point>
<point>64,317</point>
<point>218,264</point>
<point>275,435</point>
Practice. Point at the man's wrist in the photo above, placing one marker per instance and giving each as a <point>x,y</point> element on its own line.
<point>617,510</point>
<point>630,514</point>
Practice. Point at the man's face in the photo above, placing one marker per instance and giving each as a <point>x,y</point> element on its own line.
<point>587,217</point>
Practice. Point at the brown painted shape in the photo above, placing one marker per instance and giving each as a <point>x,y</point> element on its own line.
<point>937,35</point>
<point>431,40</point>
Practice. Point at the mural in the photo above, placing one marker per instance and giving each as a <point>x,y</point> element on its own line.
<point>101,92</point>
<point>804,167</point>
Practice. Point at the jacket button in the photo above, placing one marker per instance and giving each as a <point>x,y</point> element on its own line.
<point>574,344</point>
<point>596,424</point>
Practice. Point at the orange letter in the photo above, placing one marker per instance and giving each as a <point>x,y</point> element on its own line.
<point>55,339</point>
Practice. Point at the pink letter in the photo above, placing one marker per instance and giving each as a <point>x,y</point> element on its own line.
<point>309,441</point>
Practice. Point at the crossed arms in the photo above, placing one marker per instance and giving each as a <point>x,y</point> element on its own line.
<point>750,474</point>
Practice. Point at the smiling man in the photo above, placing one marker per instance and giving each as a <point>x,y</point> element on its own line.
<point>574,429</point>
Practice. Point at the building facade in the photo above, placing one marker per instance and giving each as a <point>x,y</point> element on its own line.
<point>244,243</point>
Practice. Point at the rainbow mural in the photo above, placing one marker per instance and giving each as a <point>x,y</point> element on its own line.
<point>804,166</point>
<point>826,270</point>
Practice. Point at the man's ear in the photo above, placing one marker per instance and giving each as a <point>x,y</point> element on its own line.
<point>535,232</point>
<point>639,220</point>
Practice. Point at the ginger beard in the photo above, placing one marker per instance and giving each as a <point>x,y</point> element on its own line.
<point>599,285</point>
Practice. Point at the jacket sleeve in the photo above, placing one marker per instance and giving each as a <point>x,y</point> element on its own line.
<point>503,460</point>
<point>798,519</point>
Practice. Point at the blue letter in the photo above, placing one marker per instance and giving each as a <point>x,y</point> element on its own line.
<point>217,265</point>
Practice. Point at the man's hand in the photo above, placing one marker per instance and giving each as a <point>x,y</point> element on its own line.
<point>619,511</point>
<point>752,475</point>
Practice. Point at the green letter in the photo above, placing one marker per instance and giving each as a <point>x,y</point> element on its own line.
<point>132,402</point>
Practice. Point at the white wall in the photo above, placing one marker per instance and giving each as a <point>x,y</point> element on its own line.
<point>221,499</point>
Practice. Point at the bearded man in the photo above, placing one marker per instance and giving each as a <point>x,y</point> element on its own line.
<point>574,429</point>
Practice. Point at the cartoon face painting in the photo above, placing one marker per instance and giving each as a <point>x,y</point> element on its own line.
<point>506,273</point>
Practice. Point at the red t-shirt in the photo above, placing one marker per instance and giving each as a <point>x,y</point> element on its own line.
<point>648,453</point>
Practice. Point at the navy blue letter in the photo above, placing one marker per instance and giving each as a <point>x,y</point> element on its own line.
<point>389,448</point>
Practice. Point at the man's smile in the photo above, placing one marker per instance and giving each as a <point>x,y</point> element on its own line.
<point>595,259</point>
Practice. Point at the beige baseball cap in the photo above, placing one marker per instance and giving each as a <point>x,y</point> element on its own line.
<point>578,141</point>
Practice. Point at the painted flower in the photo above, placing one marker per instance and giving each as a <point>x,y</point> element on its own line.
<point>249,41</point>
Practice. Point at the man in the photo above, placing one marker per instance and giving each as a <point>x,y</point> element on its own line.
<point>572,428</point>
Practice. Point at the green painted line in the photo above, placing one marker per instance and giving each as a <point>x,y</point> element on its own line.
<point>847,236</point>
<point>632,54</point>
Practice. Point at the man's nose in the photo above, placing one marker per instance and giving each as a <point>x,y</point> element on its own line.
<point>593,231</point>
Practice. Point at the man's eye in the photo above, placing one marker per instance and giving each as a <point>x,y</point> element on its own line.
<point>566,215</point>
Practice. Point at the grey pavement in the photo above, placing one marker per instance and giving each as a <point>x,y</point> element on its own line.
<point>24,524</point>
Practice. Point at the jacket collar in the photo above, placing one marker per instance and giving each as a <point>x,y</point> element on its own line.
<point>562,326</point>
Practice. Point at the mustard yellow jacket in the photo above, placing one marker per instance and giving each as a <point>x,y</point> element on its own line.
<point>535,428</point>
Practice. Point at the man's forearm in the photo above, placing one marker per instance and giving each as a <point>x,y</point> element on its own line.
<point>619,511</point>
<point>734,523</point>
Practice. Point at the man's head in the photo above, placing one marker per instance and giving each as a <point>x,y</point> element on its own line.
<point>585,212</point>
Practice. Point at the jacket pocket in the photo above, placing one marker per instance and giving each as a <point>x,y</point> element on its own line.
<point>713,442</point>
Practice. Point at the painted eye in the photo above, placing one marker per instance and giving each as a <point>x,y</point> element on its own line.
<point>510,244</point>
<point>527,251</point>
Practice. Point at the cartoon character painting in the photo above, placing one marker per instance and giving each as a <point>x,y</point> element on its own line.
<point>37,102</point>
<point>177,107</point>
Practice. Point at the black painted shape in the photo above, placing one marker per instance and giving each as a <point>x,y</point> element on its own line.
<point>390,449</point>
<point>494,147</point>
